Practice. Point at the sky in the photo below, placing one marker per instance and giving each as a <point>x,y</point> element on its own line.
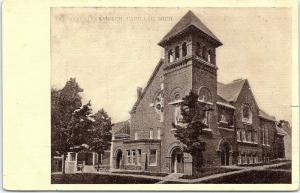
<point>112,51</point>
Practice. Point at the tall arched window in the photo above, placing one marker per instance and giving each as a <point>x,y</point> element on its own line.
<point>198,49</point>
<point>205,95</point>
<point>184,49</point>
<point>209,58</point>
<point>177,53</point>
<point>170,56</point>
<point>204,53</point>
<point>246,114</point>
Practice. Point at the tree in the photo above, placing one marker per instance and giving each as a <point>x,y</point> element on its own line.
<point>189,132</point>
<point>79,126</point>
<point>100,135</point>
<point>63,104</point>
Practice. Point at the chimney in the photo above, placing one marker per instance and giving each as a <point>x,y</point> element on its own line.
<point>139,91</point>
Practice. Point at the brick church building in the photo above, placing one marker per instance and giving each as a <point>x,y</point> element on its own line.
<point>238,131</point>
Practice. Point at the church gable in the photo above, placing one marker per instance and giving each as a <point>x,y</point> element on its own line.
<point>154,78</point>
<point>247,110</point>
<point>148,109</point>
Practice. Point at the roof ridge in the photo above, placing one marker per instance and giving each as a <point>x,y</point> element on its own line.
<point>161,61</point>
<point>189,19</point>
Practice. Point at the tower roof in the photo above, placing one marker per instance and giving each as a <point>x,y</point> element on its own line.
<point>188,20</point>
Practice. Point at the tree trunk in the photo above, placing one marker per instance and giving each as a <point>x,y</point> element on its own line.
<point>197,162</point>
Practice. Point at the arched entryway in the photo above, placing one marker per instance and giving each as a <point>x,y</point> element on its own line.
<point>177,161</point>
<point>118,158</point>
<point>225,150</point>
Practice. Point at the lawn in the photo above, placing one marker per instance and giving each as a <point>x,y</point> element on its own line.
<point>254,177</point>
<point>143,173</point>
<point>98,179</point>
<point>208,171</point>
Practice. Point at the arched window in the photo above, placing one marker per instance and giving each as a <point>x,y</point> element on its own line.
<point>151,133</point>
<point>170,56</point>
<point>184,49</point>
<point>209,58</point>
<point>204,53</point>
<point>205,95</point>
<point>159,105</point>
<point>177,53</point>
<point>198,49</point>
<point>246,114</point>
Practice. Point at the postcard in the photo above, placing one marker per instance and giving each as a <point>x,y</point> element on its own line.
<point>150,95</point>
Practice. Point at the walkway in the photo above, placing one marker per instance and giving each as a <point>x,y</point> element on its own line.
<point>214,176</point>
<point>170,177</point>
<point>176,177</point>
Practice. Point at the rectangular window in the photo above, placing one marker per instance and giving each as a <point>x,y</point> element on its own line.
<point>223,118</point>
<point>243,135</point>
<point>250,159</point>
<point>239,159</point>
<point>238,136</point>
<point>249,136</point>
<point>139,155</point>
<point>128,157</point>
<point>262,136</point>
<point>72,156</point>
<point>206,119</point>
<point>177,115</point>
<point>153,157</point>
<point>134,159</point>
<point>151,133</point>
<point>267,136</point>
<point>158,132</point>
<point>243,158</point>
<point>255,137</point>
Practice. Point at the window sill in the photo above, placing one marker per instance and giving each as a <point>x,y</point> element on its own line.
<point>175,102</point>
<point>206,102</point>
<point>247,123</point>
<point>224,122</point>
<point>152,164</point>
<point>248,142</point>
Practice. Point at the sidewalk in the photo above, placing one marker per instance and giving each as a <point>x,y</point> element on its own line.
<point>176,177</point>
<point>214,176</point>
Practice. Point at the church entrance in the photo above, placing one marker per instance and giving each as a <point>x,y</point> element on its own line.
<point>118,159</point>
<point>177,161</point>
<point>225,154</point>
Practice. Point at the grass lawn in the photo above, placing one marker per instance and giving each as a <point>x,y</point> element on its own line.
<point>143,173</point>
<point>97,179</point>
<point>208,172</point>
<point>254,177</point>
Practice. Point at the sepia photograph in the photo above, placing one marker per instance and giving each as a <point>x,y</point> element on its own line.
<point>171,95</point>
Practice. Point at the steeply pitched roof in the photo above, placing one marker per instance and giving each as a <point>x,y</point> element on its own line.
<point>121,128</point>
<point>285,125</point>
<point>280,131</point>
<point>265,115</point>
<point>230,92</point>
<point>188,20</point>
<point>160,63</point>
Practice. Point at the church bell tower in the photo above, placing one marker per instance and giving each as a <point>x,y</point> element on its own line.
<point>190,63</point>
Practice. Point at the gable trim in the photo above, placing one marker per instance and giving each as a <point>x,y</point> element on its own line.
<point>147,86</point>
